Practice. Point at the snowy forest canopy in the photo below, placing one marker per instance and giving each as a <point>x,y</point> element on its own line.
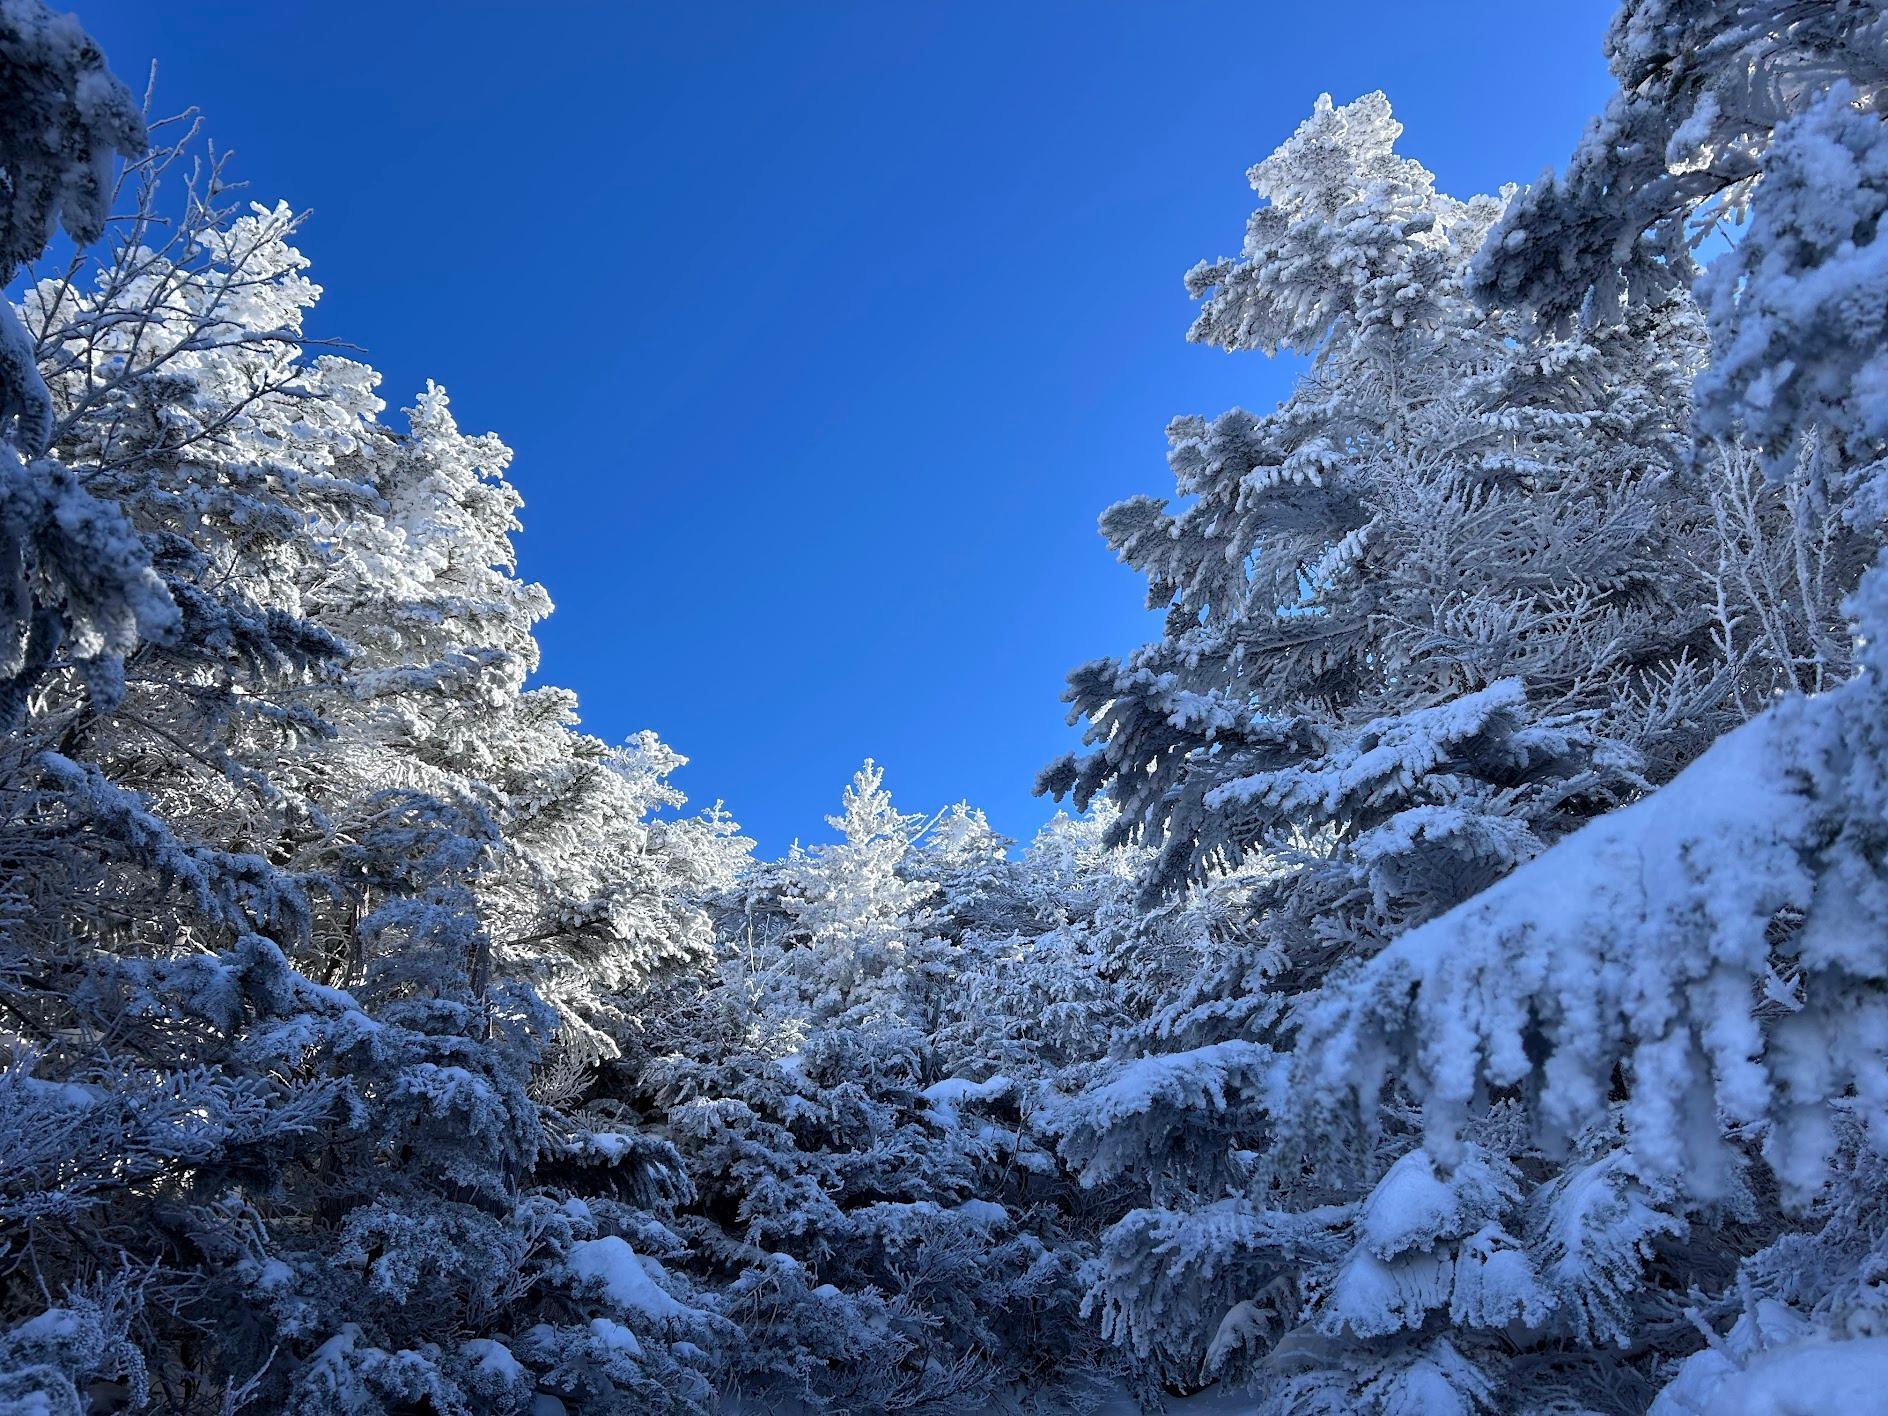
<point>1463,988</point>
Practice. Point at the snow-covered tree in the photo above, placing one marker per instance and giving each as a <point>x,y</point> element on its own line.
<point>1469,587</point>
<point>1428,616</point>
<point>1436,602</point>
<point>1465,991</point>
<point>857,1098</point>
<point>847,921</point>
<point>73,580</point>
<point>292,881</point>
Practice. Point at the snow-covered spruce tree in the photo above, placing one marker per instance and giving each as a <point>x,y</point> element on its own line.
<point>849,921</point>
<point>1696,983</point>
<point>590,894</point>
<point>1443,544</point>
<point>325,775</point>
<point>90,1114</point>
<point>856,1096</point>
<point>73,579</point>
<point>1034,992</point>
<point>584,897</point>
<point>581,896</point>
<point>1441,607</point>
<point>1685,151</point>
<point>1703,87</point>
<point>1684,1001</point>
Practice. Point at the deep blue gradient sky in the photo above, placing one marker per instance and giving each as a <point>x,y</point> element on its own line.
<point>824,331</point>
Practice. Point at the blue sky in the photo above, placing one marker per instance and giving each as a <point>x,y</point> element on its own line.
<point>825,331</point>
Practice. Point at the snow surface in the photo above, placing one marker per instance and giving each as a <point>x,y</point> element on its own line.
<point>1817,1377</point>
<point>624,1276</point>
<point>615,1336</point>
<point>946,1096</point>
<point>494,1358</point>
